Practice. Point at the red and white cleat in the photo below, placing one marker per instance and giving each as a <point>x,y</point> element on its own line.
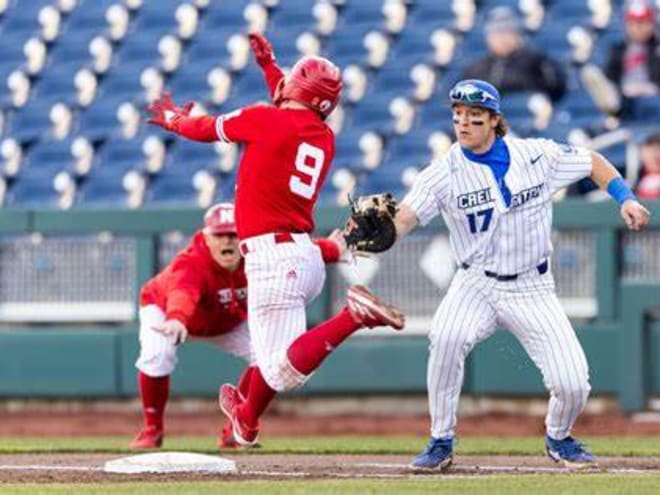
<point>230,399</point>
<point>368,310</point>
<point>147,438</point>
<point>226,438</point>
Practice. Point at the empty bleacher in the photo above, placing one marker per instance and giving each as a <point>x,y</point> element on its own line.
<point>86,69</point>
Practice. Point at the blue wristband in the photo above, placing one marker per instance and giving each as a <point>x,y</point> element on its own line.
<point>620,190</point>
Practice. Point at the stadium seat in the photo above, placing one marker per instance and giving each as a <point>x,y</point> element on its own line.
<point>208,49</point>
<point>104,187</point>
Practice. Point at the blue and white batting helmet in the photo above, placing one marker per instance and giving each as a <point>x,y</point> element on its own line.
<point>476,93</point>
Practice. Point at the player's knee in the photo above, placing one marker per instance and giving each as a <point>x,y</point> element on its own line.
<point>281,376</point>
<point>576,393</point>
<point>160,363</point>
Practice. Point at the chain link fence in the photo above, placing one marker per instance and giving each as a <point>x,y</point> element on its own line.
<point>67,278</point>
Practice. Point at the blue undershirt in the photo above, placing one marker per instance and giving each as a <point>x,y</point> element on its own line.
<point>497,158</point>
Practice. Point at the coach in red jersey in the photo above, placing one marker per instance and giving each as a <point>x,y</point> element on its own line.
<point>200,295</point>
<point>287,152</point>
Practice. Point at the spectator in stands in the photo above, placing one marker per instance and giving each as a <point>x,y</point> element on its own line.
<point>634,63</point>
<point>511,65</point>
<point>648,186</point>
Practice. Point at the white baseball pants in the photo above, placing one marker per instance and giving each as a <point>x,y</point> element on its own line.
<point>282,279</point>
<point>528,307</point>
<point>158,353</point>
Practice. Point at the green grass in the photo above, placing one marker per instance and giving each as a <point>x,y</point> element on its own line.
<point>602,446</point>
<point>582,484</point>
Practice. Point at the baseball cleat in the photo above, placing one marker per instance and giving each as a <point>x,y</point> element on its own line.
<point>226,438</point>
<point>147,438</point>
<point>437,455</point>
<point>368,310</point>
<point>230,400</point>
<point>570,452</point>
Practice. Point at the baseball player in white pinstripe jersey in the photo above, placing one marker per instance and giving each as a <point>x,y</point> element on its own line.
<point>494,193</point>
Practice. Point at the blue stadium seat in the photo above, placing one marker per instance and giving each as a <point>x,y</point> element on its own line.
<point>209,44</point>
<point>348,150</point>
<point>34,191</point>
<point>99,120</point>
<point>189,156</point>
<point>284,42</point>
<point>514,105</point>
<point>31,121</point>
<point>122,154</point>
<point>89,14</point>
<point>296,15</point>
<point>141,46</point>
<point>73,46</point>
<point>104,187</point>
<point>48,155</point>
<point>371,113</point>
<point>172,186</point>
<point>226,14</point>
<point>156,17</point>
<point>363,11</point>
<point>580,109</point>
<point>345,46</point>
<point>402,152</point>
<point>22,16</point>
<point>552,39</point>
<point>123,82</point>
<point>57,82</point>
<point>414,45</point>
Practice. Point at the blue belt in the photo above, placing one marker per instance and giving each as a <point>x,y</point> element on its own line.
<point>541,268</point>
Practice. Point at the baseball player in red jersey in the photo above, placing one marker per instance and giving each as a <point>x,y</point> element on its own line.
<point>287,153</point>
<point>201,294</point>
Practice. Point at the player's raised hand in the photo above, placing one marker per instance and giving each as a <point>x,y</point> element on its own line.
<point>164,113</point>
<point>262,49</point>
<point>172,329</point>
<point>635,215</point>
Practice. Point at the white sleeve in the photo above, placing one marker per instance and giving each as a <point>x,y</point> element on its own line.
<point>568,164</point>
<point>430,191</point>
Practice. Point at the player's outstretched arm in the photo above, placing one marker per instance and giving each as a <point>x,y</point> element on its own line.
<point>333,248</point>
<point>405,221</point>
<point>608,178</point>
<point>265,57</point>
<point>164,113</point>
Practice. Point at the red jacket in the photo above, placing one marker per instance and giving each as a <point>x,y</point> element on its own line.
<point>208,299</point>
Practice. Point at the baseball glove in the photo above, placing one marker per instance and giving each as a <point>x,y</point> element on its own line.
<point>371,227</point>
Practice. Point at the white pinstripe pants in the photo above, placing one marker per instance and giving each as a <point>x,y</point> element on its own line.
<point>282,280</point>
<point>158,353</point>
<point>473,308</point>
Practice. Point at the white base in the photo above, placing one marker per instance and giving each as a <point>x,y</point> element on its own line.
<point>171,462</point>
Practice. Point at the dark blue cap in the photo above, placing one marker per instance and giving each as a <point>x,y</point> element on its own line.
<point>476,93</point>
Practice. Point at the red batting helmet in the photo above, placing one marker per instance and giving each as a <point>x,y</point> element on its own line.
<point>219,219</point>
<point>314,82</point>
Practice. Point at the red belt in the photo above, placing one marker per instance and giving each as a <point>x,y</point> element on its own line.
<point>279,239</point>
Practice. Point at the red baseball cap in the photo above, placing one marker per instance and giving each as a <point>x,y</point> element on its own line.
<point>219,219</point>
<point>639,10</point>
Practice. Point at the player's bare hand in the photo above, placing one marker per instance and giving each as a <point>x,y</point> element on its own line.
<point>262,49</point>
<point>173,330</point>
<point>635,215</point>
<point>164,113</point>
<point>337,236</point>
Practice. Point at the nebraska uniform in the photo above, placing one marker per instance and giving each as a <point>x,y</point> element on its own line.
<point>287,153</point>
<point>495,195</point>
<point>209,300</point>
<point>203,293</point>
